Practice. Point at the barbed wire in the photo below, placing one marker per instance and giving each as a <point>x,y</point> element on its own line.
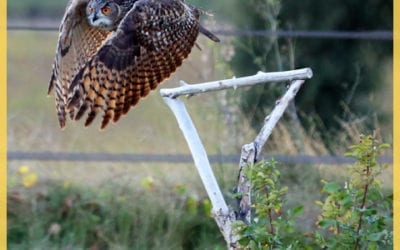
<point>307,34</point>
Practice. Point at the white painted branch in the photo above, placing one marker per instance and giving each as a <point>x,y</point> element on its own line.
<point>260,77</point>
<point>271,120</point>
<point>248,156</point>
<point>199,153</point>
<point>222,214</point>
<point>252,151</point>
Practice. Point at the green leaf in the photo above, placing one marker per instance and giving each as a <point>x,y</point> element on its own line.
<point>384,146</point>
<point>375,236</point>
<point>327,223</point>
<point>244,241</point>
<point>298,210</point>
<point>331,187</point>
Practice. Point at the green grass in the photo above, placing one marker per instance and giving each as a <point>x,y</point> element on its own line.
<point>115,217</point>
<point>32,8</point>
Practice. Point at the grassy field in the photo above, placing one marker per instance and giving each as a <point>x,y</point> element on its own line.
<point>148,128</point>
<point>30,8</point>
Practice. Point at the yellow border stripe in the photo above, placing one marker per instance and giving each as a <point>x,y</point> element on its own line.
<point>3,126</point>
<point>396,120</point>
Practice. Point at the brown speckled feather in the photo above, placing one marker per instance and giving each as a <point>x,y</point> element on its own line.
<point>77,43</point>
<point>150,43</point>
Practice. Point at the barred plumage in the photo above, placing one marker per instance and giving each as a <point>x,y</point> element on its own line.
<point>110,54</point>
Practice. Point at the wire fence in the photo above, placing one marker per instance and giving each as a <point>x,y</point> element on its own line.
<point>383,35</point>
<point>177,158</point>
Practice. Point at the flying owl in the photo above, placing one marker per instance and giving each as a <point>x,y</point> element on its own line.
<point>111,53</point>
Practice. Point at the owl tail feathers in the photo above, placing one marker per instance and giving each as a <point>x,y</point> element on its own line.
<point>51,84</point>
<point>61,116</point>
<point>208,34</point>
<point>61,122</point>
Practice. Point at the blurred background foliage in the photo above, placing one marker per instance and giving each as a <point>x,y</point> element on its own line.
<point>349,94</point>
<point>351,77</point>
<point>28,9</point>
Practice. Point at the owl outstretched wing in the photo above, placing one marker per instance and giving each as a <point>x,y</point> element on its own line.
<point>150,43</point>
<point>77,43</point>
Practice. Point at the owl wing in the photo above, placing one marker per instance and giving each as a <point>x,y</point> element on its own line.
<point>152,40</point>
<point>77,43</point>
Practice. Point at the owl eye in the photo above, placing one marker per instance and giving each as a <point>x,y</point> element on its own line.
<point>90,10</point>
<point>106,10</point>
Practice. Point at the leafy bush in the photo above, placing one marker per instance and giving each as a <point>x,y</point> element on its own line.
<point>270,227</point>
<point>356,215</point>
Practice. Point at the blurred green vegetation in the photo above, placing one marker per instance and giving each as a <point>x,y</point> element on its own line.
<point>355,214</point>
<point>150,216</point>
<point>342,78</point>
<point>352,78</point>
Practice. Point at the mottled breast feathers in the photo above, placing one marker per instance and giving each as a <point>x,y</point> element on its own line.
<point>101,71</point>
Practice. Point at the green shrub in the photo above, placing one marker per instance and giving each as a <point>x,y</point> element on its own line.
<point>356,215</point>
<point>270,228</point>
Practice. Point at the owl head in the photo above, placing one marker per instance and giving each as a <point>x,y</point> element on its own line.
<point>105,14</point>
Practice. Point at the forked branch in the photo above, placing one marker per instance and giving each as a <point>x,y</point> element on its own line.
<point>224,215</point>
<point>260,77</point>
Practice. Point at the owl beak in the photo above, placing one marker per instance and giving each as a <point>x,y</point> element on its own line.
<point>94,18</point>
